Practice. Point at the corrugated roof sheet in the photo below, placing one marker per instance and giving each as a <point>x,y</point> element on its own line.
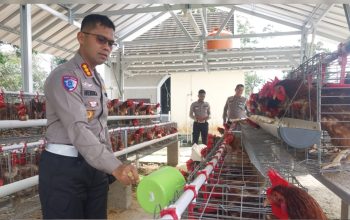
<point>53,33</point>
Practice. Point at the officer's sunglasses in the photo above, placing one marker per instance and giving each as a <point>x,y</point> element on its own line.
<point>103,40</point>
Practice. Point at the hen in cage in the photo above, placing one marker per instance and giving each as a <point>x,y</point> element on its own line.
<point>291,202</point>
<point>297,98</point>
<point>334,110</point>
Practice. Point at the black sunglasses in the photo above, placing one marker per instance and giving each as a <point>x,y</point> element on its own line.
<point>103,40</point>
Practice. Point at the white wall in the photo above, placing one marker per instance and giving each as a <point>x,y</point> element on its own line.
<point>143,87</point>
<point>184,91</point>
<point>110,81</point>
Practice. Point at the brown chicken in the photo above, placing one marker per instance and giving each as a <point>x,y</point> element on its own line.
<point>36,109</point>
<point>290,202</point>
<point>124,107</point>
<point>112,106</point>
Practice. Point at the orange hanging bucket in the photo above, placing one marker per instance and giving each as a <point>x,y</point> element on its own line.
<point>220,43</point>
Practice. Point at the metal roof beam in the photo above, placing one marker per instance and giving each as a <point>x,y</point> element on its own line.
<point>272,34</point>
<point>179,23</point>
<point>252,64</point>
<point>195,38</point>
<point>183,67</point>
<point>147,10</point>
<point>254,53</point>
<point>261,52</point>
<point>335,37</point>
<point>166,67</point>
<point>11,30</point>
<point>127,33</point>
<point>10,16</point>
<point>59,15</point>
<point>266,17</point>
<point>347,13</point>
<point>310,21</point>
<point>204,21</point>
<point>228,17</point>
<point>325,11</point>
<point>44,30</point>
<point>194,24</point>
<point>124,21</point>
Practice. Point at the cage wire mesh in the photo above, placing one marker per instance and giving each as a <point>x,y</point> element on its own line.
<point>15,105</point>
<point>325,86</point>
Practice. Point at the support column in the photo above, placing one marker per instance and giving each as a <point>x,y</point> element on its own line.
<point>173,154</point>
<point>122,70</point>
<point>118,74</point>
<point>303,45</point>
<point>119,196</point>
<point>347,13</point>
<point>345,214</point>
<point>26,47</point>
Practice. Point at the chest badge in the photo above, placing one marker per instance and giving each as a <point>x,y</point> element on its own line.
<point>70,83</point>
<point>93,104</point>
<point>87,85</point>
<point>90,115</point>
<point>86,69</point>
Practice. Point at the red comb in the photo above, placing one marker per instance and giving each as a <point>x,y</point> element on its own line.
<point>276,179</point>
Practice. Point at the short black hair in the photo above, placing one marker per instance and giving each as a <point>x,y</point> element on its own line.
<point>90,22</point>
<point>239,86</point>
<point>201,91</point>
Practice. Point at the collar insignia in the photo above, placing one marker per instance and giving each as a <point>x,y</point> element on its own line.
<point>86,69</point>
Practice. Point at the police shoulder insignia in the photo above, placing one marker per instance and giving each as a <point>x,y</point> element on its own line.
<point>70,83</point>
<point>86,69</point>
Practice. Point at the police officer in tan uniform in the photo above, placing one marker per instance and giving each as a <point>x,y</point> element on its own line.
<point>73,181</point>
<point>200,113</point>
<point>235,106</point>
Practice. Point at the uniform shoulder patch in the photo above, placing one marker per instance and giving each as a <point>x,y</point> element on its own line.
<point>70,83</point>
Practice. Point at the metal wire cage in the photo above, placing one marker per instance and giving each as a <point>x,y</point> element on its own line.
<point>327,79</point>
<point>16,165</point>
<point>21,106</point>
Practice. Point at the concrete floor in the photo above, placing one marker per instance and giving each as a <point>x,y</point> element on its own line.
<point>161,156</point>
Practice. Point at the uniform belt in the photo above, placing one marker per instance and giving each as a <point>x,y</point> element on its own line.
<point>201,122</point>
<point>62,149</point>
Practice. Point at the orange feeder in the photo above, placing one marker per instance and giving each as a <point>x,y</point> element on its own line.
<point>220,43</point>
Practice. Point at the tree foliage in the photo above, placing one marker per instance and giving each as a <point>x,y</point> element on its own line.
<point>10,70</point>
<point>57,61</point>
<point>251,81</point>
<point>318,47</point>
<point>244,27</point>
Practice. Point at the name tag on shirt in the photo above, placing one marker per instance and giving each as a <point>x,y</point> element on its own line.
<point>90,93</point>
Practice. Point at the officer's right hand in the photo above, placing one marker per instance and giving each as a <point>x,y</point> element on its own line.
<point>126,174</point>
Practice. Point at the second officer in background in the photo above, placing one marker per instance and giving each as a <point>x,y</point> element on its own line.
<point>200,113</point>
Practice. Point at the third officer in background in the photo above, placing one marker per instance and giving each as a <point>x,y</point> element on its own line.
<point>200,113</point>
<point>235,106</point>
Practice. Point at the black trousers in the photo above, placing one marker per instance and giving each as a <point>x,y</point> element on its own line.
<point>69,188</point>
<point>202,129</point>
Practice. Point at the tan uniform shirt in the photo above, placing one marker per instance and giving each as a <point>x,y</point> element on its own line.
<point>234,108</point>
<point>200,109</point>
<point>76,110</point>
